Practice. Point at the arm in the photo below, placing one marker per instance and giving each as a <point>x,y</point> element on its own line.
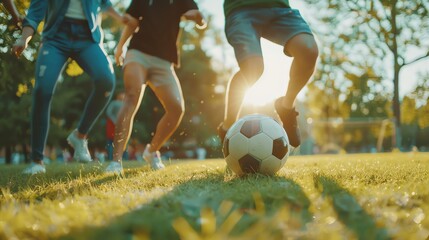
<point>35,15</point>
<point>125,19</point>
<point>22,43</point>
<point>126,34</point>
<point>10,6</point>
<point>196,16</point>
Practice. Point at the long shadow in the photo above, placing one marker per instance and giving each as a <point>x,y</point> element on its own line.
<point>154,219</point>
<point>77,180</point>
<point>349,212</point>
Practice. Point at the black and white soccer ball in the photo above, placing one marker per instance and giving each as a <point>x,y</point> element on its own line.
<point>256,144</point>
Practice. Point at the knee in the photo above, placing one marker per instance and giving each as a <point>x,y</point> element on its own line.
<point>131,98</point>
<point>312,53</point>
<point>309,54</point>
<point>176,110</point>
<point>105,82</point>
<point>42,94</point>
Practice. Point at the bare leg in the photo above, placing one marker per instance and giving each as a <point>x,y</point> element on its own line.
<point>134,75</point>
<point>303,49</point>
<point>250,71</point>
<point>171,98</point>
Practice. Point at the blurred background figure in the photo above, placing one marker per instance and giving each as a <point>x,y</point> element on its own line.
<point>112,113</point>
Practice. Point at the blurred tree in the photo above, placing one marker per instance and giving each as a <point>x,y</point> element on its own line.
<point>408,109</point>
<point>16,80</point>
<point>343,96</point>
<point>376,31</point>
<point>420,97</point>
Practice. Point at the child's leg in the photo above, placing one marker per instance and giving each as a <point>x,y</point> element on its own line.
<point>134,75</point>
<point>303,49</point>
<point>250,71</point>
<point>95,62</point>
<point>49,65</point>
<point>171,97</point>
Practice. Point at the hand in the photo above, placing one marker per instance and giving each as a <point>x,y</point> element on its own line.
<point>17,20</point>
<point>202,24</point>
<point>119,59</point>
<point>196,16</point>
<point>19,46</point>
<point>126,19</point>
<point>129,20</point>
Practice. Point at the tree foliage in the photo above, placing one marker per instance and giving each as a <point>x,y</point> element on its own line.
<point>363,44</point>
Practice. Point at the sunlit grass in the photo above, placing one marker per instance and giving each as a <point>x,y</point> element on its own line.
<point>362,196</point>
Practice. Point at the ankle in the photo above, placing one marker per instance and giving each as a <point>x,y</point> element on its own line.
<point>40,162</point>
<point>149,148</point>
<point>81,135</point>
<point>287,104</point>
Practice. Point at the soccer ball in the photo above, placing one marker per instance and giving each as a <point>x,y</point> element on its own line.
<point>256,144</point>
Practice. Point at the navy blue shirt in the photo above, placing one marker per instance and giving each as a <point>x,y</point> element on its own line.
<point>159,26</point>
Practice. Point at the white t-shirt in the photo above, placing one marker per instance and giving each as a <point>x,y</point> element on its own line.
<point>75,10</point>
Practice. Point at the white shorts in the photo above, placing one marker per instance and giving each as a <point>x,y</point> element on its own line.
<point>159,71</point>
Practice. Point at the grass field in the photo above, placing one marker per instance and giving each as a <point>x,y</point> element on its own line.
<point>362,196</point>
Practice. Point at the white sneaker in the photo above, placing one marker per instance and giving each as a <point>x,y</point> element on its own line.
<point>115,168</point>
<point>154,159</point>
<point>81,152</point>
<point>35,168</point>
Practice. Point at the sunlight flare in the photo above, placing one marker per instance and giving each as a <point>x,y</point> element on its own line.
<point>274,80</point>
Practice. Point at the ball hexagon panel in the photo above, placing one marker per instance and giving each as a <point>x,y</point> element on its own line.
<point>261,146</point>
<point>280,148</point>
<point>270,165</point>
<point>238,146</point>
<point>272,128</point>
<point>249,164</point>
<point>251,127</point>
<point>235,128</point>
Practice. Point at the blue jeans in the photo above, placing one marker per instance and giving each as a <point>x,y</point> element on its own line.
<point>74,41</point>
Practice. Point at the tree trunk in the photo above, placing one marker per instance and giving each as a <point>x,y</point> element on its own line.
<point>396,69</point>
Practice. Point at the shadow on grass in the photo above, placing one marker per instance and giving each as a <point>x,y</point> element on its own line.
<point>349,211</point>
<point>188,200</point>
<point>72,179</point>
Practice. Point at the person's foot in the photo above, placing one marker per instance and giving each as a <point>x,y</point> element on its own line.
<point>115,167</point>
<point>80,145</point>
<point>221,132</point>
<point>35,168</point>
<point>289,120</point>
<point>154,158</point>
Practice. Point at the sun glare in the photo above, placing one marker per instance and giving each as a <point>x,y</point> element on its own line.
<point>275,78</point>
